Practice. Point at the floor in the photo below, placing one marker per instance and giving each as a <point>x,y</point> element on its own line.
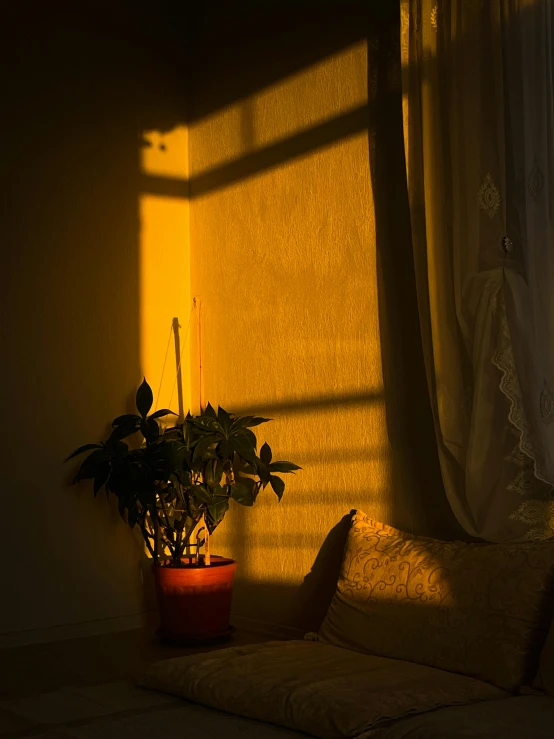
<point>68,682</point>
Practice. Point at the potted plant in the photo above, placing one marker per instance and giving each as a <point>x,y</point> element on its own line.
<point>175,483</point>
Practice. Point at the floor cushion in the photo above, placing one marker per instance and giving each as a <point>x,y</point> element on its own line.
<point>316,688</point>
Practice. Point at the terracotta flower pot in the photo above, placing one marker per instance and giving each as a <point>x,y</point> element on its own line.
<point>195,602</point>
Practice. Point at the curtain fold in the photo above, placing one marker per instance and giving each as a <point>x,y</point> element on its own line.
<point>478,102</point>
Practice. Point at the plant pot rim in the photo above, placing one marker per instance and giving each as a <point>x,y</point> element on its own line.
<point>217,561</point>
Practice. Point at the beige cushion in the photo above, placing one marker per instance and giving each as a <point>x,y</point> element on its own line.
<point>316,688</point>
<point>476,609</point>
<point>545,675</point>
<point>518,717</point>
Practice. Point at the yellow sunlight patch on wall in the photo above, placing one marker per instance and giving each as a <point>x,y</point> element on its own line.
<point>165,269</point>
<point>165,153</point>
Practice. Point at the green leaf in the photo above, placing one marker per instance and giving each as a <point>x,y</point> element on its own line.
<point>82,449</point>
<point>206,425</point>
<point>283,467</point>
<point>175,453</point>
<point>264,474</point>
<point>132,516</point>
<point>242,422</point>
<point>214,472</point>
<point>119,448</point>
<point>91,465</point>
<point>278,485</point>
<point>127,419</point>
<point>149,429</point>
<point>224,419</point>
<point>121,508</point>
<point>163,412</point>
<point>210,412</point>
<point>246,468</point>
<point>218,471</point>
<point>256,421</point>
<point>202,448</point>
<point>245,451</point>
<point>144,398</point>
<point>242,494</point>
<point>101,476</point>
<point>225,449</point>
<point>265,454</point>
<point>168,494</point>
<point>218,509</point>
<point>183,475</point>
<point>201,493</point>
<point>246,436</point>
<point>119,433</point>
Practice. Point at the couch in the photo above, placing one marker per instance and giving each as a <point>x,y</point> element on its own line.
<point>422,639</point>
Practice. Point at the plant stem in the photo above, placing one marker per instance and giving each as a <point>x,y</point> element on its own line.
<point>170,544</point>
<point>156,541</point>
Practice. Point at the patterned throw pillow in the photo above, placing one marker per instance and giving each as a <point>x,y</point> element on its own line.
<point>481,610</point>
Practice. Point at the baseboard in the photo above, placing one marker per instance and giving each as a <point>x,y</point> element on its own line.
<point>266,628</point>
<point>76,631</point>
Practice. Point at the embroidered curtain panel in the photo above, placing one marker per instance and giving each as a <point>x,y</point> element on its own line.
<point>478,105</point>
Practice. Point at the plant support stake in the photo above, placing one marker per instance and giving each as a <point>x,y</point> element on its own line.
<point>198,305</point>
<point>207,558</point>
<point>176,327</point>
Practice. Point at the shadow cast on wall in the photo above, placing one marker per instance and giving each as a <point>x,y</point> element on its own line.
<point>78,88</point>
<point>270,601</point>
<point>81,92</point>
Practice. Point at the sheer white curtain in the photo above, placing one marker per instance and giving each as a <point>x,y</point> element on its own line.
<point>478,98</point>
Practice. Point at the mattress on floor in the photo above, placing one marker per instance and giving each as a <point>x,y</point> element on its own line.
<point>315,688</point>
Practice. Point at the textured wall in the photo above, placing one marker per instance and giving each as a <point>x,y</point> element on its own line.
<point>285,263</point>
<point>308,313</point>
<point>301,254</point>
